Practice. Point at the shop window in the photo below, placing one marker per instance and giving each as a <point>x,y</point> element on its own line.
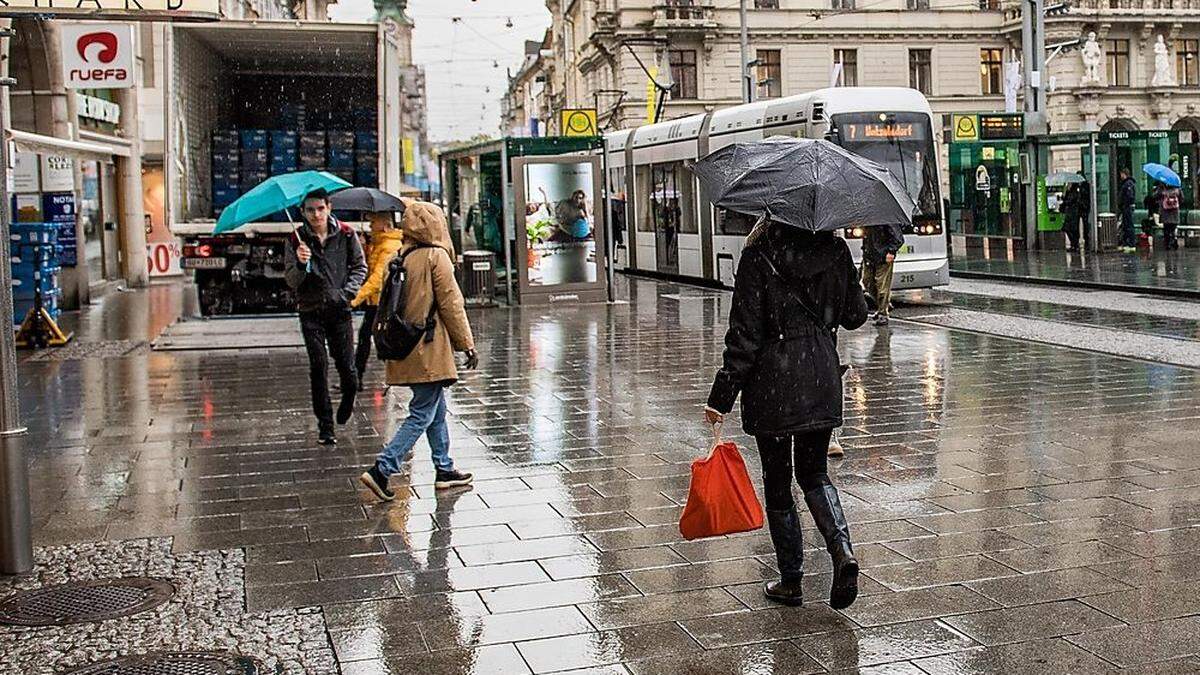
<point>683,73</point>
<point>770,73</point>
<point>1117,54</point>
<point>1187,62</point>
<point>918,5</point>
<point>842,4</point>
<point>849,60</point>
<point>991,71</point>
<point>766,4</point>
<point>920,70</point>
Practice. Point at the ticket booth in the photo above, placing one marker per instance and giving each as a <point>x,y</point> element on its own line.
<point>986,193</point>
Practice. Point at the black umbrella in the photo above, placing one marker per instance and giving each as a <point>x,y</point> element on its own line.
<point>366,199</point>
<point>811,184</point>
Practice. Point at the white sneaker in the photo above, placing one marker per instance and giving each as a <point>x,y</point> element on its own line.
<point>835,445</point>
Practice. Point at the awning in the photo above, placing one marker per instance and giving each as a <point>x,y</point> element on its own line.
<point>49,145</point>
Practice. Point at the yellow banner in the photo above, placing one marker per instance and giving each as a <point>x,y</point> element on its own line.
<point>410,160</point>
<point>651,95</point>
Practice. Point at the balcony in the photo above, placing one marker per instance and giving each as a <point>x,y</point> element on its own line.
<point>685,17</point>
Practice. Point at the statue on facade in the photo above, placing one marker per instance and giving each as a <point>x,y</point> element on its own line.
<point>391,8</point>
<point>1164,74</point>
<point>1092,56</point>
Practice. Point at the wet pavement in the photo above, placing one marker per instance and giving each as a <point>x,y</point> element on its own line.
<point>1150,271</point>
<point>1017,507</point>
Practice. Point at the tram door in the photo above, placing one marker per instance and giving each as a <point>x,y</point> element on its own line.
<point>666,213</point>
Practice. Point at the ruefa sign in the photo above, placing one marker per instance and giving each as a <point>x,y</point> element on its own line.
<point>97,55</point>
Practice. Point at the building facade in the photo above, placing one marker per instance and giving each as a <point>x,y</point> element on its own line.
<point>616,55</point>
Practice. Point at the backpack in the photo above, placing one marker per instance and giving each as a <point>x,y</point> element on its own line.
<point>395,337</point>
<point>1170,200</point>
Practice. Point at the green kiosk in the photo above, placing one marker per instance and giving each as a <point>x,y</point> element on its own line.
<point>986,197</point>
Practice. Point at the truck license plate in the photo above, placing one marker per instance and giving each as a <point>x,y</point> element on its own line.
<point>204,263</point>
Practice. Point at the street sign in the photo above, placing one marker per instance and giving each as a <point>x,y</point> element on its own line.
<point>578,122</point>
<point>97,55</point>
<point>964,128</point>
<point>123,10</point>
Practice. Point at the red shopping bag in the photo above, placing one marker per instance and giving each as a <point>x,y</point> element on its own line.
<point>721,499</point>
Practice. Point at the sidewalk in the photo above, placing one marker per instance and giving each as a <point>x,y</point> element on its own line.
<point>1158,272</point>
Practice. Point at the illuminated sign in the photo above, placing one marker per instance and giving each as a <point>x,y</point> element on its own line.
<point>125,10</point>
<point>965,128</point>
<point>909,131</point>
<point>578,122</point>
<point>1002,127</point>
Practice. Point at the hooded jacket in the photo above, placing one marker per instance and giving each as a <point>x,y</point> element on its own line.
<point>336,273</point>
<point>429,262</point>
<point>381,250</point>
<point>792,292</point>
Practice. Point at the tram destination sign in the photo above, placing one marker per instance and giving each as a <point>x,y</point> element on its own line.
<point>123,10</point>
<point>1002,127</point>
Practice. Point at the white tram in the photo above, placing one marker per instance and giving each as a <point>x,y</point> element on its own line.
<point>671,230</point>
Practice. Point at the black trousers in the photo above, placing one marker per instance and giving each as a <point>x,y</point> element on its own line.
<point>333,329</point>
<point>362,353</point>
<point>802,455</point>
<point>1169,239</point>
<point>1128,236</point>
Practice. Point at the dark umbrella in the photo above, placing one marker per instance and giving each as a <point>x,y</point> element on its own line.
<point>367,199</point>
<point>811,184</point>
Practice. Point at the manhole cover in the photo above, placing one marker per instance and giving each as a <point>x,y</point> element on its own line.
<point>84,601</point>
<point>174,663</point>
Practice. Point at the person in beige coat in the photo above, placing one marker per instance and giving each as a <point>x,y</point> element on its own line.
<point>428,259</point>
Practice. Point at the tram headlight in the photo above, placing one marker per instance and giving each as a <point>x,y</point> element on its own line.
<point>853,233</point>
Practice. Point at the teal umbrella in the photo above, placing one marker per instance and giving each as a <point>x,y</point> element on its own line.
<point>275,194</point>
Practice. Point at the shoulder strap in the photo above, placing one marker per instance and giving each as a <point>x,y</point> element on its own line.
<point>812,314</point>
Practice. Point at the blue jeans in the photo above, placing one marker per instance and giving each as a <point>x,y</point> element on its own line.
<point>426,415</point>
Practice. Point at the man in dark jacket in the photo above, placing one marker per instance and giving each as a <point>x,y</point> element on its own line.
<point>325,266</point>
<point>879,248</point>
<point>1126,199</point>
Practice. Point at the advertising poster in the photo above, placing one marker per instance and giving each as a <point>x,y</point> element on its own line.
<point>559,224</point>
<point>60,208</point>
<point>58,174</point>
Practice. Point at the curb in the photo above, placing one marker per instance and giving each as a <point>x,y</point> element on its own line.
<point>1188,293</point>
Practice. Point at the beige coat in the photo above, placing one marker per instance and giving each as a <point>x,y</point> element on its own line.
<point>430,277</point>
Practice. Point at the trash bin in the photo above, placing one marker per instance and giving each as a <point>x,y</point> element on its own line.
<point>479,278</point>
<point>1110,231</point>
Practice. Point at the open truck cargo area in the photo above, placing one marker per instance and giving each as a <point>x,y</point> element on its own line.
<point>248,100</point>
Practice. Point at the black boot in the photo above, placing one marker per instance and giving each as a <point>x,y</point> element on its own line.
<point>789,551</point>
<point>826,510</point>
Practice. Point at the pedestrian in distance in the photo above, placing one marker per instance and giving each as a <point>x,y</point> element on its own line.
<point>1126,199</point>
<point>1169,200</point>
<point>1071,209</point>
<point>385,243</point>
<point>428,259</point>
<point>793,289</point>
<point>879,248</point>
<point>324,266</point>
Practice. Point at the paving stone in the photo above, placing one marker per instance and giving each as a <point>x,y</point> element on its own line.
<point>882,644</point>
<point>1025,658</point>
<point>1143,643</point>
<point>929,603</point>
<point>1031,622</point>
<point>743,628</point>
<point>474,631</point>
<point>939,572</point>
<point>761,659</point>
<point>1029,589</point>
<point>607,647</point>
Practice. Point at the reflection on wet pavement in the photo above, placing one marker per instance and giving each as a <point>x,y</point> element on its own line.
<point>1012,503</point>
<point>1154,270</point>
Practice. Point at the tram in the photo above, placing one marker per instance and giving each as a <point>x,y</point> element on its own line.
<point>671,230</point>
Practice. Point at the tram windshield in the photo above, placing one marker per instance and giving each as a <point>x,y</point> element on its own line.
<point>902,142</point>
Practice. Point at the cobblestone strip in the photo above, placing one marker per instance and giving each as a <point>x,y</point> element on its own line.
<point>207,613</point>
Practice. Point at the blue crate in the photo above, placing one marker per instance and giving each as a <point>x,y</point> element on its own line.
<point>226,196</point>
<point>254,139</point>
<point>366,159</point>
<point>284,139</point>
<point>250,180</point>
<point>366,141</point>
<point>254,159</point>
<point>25,289</point>
<point>226,141</point>
<point>312,162</point>
<point>226,162</point>
<point>277,169</point>
<point>338,159</point>
<point>23,234</point>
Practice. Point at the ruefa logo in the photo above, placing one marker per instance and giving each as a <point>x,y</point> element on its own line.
<point>108,44</point>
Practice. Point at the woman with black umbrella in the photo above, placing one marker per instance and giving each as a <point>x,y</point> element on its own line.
<point>794,288</point>
<point>796,284</point>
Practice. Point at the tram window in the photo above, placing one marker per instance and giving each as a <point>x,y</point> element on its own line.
<point>734,224</point>
<point>671,198</point>
<point>645,217</point>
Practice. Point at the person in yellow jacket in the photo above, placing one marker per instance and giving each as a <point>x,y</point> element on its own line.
<point>385,243</point>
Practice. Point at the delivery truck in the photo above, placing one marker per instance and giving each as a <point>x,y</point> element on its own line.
<point>249,99</point>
